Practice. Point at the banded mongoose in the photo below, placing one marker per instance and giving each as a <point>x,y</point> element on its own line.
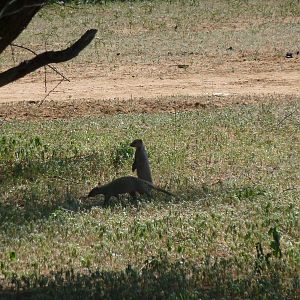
<point>125,185</point>
<point>141,162</point>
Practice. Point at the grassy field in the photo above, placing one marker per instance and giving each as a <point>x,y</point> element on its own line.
<point>235,172</point>
<point>231,232</point>
<point>177,28</point>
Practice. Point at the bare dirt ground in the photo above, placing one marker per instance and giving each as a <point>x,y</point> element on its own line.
<point>97,89</point>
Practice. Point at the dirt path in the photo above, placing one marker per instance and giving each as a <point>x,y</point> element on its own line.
<point>106,87</point>
<point>126,82</point>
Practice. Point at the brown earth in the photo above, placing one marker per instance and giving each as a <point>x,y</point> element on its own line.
<point>195,83</point>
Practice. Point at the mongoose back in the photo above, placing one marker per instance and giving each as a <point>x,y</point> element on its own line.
<point>125,185</point>
<point>141,162</point>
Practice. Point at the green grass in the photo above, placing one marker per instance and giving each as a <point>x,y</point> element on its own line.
<point>235,172</point>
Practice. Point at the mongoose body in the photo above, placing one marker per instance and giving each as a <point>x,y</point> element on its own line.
<point>125,185</point>
<point>141,162</point>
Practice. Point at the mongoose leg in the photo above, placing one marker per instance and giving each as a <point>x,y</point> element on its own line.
<point>133,168</point>
<point>106,200</point>
<point>149,195</point>
<point>144,191</point>
<point>133,196</point>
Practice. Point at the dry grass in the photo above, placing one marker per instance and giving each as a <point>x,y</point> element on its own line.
<point>194,29</point>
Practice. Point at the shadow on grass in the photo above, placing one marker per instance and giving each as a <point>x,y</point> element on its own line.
<point>40,200</point>
<point>33,206</point>
<point>158,279</point>
<point>229,194</point>
<point>35,189</point>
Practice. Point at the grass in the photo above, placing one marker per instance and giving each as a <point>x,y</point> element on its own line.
<point>235,172</point>
<point>181,30</point>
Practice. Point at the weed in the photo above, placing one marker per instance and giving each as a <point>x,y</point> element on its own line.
<point>123,153</point>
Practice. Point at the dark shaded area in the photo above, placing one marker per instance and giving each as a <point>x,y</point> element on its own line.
<point>14,18</point>
<point>48,185</point>
<point>159,278</point>
<point>60,183</point>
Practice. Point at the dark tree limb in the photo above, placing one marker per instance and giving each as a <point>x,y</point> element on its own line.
<point>15,15</point>
<point>46,58</point>
<point>33,52</point>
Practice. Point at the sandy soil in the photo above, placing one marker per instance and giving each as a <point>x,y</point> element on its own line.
<point>104,89</point>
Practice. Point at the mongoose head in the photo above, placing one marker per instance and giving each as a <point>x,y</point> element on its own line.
<point>94,192</point>
<point>137,143</point>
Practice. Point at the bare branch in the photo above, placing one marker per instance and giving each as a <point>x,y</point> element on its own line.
<point>286,116</point>
<point>42,101</point>
<point>46,58</point>
<point>50,66</point>
<point>5,7</point>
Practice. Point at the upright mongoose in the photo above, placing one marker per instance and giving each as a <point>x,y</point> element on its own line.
<point>125,185</point>
<point>141,162</point>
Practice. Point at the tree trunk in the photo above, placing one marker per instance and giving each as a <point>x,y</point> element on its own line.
<point>15,15</point>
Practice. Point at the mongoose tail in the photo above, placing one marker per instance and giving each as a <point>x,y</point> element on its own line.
<point>162,190</point>
<point>152,186</point>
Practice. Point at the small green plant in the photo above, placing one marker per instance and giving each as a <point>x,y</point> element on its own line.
<point>12,255</point>
<point>263,259</point>
<point>275,243</point>
<point>249,193</point>
<point>122,154</point>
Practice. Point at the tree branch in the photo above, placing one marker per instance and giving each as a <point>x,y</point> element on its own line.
<point>46,58</point>
<point>33,52</point>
